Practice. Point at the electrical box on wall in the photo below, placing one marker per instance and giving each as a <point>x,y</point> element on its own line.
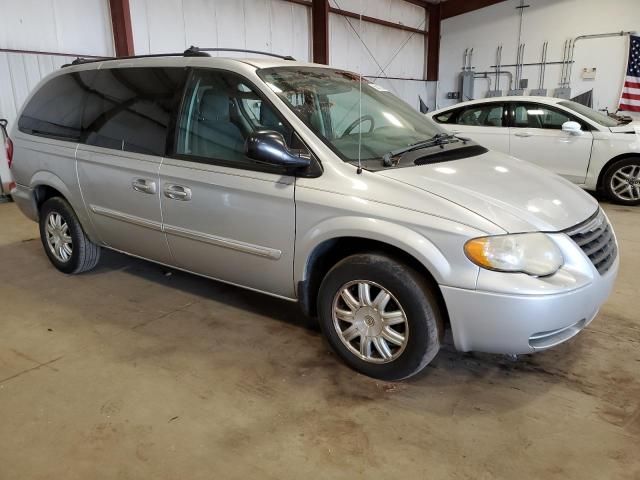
<point>589,73</point>
<point>467,80</point>
<point>562,92</point>
<point>453,95</point>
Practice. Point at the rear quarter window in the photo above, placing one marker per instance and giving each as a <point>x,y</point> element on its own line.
<point>446,117</point>
<point>55,109</point>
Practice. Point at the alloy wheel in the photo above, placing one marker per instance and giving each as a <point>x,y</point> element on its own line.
<point>625,183</point>
<point>370,321</point>
<point>58,237</point>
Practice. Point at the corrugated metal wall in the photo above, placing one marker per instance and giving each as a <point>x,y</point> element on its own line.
<point>73,26</point>
<point>389,52</point>
<point>271,25</point>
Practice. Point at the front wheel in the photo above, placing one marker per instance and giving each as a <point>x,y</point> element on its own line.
<point>622,181</point>
<point>380,316</point>
<point>64,240</point>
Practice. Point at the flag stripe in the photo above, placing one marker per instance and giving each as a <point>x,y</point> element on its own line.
<point>629,108</point>
<point>630,95</point>
<point>629,103</point>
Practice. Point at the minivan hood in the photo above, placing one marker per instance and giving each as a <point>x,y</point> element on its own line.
<point>513,194</point>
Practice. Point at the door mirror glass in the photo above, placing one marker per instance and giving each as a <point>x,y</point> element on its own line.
<point>572,128</point>
<point>269,146</point>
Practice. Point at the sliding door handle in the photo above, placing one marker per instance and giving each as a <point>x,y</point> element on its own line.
<point>522,134</point>
<point>177,192</point>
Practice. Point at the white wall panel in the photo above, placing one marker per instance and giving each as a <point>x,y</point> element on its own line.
<point>66,26</point>
<point>19,74</point>
<point>383,51</point>
<point>76,26</point>
<point>271,25</point>
<point>550,20</point>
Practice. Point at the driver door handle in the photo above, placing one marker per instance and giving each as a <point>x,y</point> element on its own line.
<point>522,134</point>
<point>177,192</point>
<point>144,186</point>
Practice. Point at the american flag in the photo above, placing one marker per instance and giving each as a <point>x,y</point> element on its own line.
<point>630,98</point>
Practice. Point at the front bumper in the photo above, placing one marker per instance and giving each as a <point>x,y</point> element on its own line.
<point>516,323</point>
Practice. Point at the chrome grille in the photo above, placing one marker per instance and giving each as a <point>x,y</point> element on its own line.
<point>595,238</point>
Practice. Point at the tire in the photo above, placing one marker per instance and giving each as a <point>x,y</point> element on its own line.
<point>410,297</point>
<point>626,170</point>
<point>82,255</point>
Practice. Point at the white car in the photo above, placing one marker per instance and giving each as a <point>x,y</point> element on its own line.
<point>584,146</point>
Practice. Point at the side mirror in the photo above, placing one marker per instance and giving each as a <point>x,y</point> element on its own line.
<point>268,146</point>
<point>572,128</point>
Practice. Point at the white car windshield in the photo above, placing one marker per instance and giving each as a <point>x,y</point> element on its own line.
<point>591,114</point>
<point>328,102</point>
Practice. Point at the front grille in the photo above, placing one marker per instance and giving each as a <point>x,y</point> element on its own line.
<point>595,238</point>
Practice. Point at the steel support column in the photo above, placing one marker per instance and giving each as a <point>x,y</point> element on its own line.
<point>320,31</point>
<point>122,32</point>
<point>433,42</point>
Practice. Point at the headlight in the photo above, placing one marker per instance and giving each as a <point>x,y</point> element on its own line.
<point>532,253</point>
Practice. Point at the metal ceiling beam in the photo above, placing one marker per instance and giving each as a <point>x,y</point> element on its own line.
<point>377,21</point>
<point>320,31</point>
<point>365,18</point>
<point>122,32</point>
<point>451,8</point>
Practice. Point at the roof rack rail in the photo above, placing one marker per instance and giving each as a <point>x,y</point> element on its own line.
<point>192,51</point>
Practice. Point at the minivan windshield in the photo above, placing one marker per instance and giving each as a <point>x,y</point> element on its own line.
<point>328,102</point>
<point>591,114</point>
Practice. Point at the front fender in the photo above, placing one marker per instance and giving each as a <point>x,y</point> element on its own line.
<point>410,241</point>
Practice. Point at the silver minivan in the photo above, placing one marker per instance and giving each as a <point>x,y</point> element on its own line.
<point>307,183</point>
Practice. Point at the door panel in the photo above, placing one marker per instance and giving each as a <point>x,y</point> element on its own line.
<point>484,124</point>
<point>225,215</point>
<point>537,137</point>
<point>124,134</point>
<point>122,197</point>
<point>234,226</point>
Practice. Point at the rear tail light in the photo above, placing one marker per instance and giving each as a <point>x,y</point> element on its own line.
<point>8,145</point>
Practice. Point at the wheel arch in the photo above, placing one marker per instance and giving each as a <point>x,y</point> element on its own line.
<point>401,243</point>
<point>46,185</point>
<point>606,166</point>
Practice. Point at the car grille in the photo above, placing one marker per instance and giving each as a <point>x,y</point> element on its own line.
<point>595,238</point>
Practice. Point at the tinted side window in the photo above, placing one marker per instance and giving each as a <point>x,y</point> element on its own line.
<point>489,115</point>
<point>220,110</point>
<point>54,111</point>
<point>530,115</point>
<point>130,108</point>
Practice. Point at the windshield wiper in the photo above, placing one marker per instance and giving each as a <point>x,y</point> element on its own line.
<point>437,139</point>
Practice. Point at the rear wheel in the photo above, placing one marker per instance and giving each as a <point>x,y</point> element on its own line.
<point>380,316</point>
<point>621,181</point>
<point>64,241</point>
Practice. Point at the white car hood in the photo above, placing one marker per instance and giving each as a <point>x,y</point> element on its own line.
<point>628,128</point>
<point>513,194</point>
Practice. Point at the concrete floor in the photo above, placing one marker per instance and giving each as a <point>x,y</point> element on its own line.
<point>130,372</point>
